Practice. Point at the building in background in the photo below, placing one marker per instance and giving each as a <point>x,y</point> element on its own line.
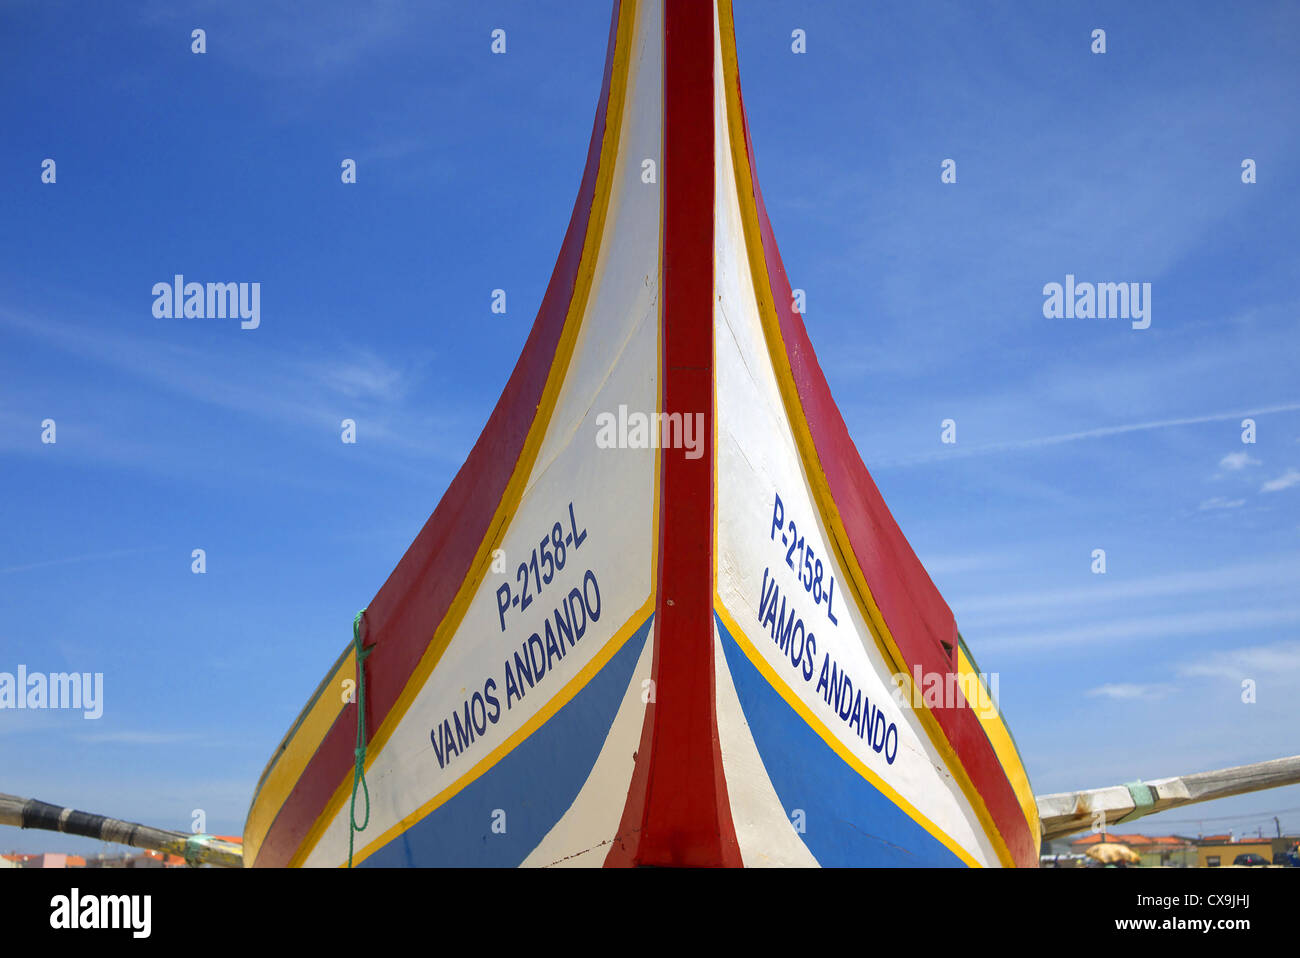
<point>45,860</point>
<point>124,859</point>
<point>135,859</point>
<point>1217,851</point>
<point>1156,851</point>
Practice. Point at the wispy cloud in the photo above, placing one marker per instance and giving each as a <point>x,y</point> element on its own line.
<point>1219,502</point>
<point>135,738</point>
<point>363,376</point>
<point>1274,571</point>
<point>1128,690</point>
<point>287,43</point>
<point>1285,481</point>
<point>67,560</point>
<point>1236,461</point>
<point>281,390</point>
<point>1038,442</point>
<point>1275,659</point>
<point>965,562</point>
<point>1155,627</point>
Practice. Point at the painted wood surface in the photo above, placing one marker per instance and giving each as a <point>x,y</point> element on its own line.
<point>666,467</point>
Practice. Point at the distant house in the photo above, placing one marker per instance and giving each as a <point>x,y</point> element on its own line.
<point>1219,851</point>
<point>45,860</point>
<point>125,859</point>
<point>1168,851</point>
<point>1217,854</point>
<point>136,859</point>
<point>152,859</point>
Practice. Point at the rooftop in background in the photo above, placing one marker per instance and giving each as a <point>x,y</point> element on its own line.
<point>1147,841</point>
<point>124,859</point>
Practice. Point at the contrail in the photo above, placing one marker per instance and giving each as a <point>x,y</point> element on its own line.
<point>1013,444</point>
<point>89,557</point>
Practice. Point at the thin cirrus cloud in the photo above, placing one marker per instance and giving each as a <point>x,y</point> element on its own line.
<point>1128,691</point>
<point>1285,481</point>
<point>283,391</point>
<point>1150,627</point>
<point>1037,442</point>
<point>958,563</point>
<point>1219,502</point>
<point>137,738</point>
<point>283,43</point>
<point>1273,571</point>
<point>69,560</point>
<point>1236,461</point>
<point>1273,660</point>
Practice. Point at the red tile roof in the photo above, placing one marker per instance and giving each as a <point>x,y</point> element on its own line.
<point>1133,840</point>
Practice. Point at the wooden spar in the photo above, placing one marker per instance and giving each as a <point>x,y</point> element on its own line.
<point>195,849</point>
<point>1068,812</point>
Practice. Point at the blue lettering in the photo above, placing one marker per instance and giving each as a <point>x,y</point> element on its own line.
<point>437,743</point>
<point>477,706</point>
<point>564,626</point>
<point>503,603</point>
<point>537,655</point>
<point>593,608</point>
<point>578,630</point>
<point>552,650</point>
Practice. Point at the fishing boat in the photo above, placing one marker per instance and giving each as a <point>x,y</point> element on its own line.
<point>662,615</point>
<point>659,614</point>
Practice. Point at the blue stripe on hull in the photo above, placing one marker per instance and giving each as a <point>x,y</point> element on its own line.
<point>534,784</point>
<point>848,821</point>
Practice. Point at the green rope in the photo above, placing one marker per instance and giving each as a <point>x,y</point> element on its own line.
<point>359,769</point>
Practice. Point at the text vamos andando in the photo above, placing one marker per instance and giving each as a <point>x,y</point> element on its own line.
<point>798,642</point>
<point>854,708</point>
<point>537,656</point>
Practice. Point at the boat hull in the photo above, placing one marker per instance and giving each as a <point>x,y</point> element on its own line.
<point>662,615</point>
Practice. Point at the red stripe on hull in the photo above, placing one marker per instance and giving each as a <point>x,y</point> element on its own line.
<point>403,617</point>
<point>917,615</point>
<point>677,811</point>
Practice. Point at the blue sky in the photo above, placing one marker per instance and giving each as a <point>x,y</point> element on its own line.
<point>924,302</point>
